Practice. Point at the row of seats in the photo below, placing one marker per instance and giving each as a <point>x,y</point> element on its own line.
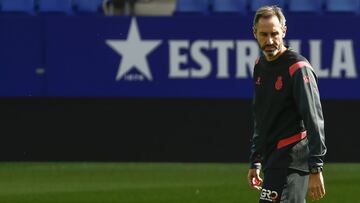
<point>184,6</point>
<point>245,6</point>
<point>50,6</point>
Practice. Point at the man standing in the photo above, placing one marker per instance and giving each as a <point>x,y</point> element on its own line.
<point>288,143</point>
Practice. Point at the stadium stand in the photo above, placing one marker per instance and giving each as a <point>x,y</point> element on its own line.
<point>351,6</point>
<point>305,6</point>
<point>87,6</point>
<point>17,6</point>
<point>254,5</point>
<point>155,7</point>
<point>230,6</point>
<point>192,6</point>
<point>186,7</point>
<point>55,6</point>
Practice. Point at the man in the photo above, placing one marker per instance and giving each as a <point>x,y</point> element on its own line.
<point>288,141</point>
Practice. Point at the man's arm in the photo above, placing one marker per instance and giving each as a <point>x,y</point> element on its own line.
<point>306,95</point>
<point>255,154</point>
<point>253,176</point>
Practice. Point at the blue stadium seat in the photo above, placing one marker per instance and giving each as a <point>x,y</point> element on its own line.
<point>90,6</point>
<point>230,6</point>
<point>55,6</point>
<point>255,4</point>
<point>305,6</point>
<point>192,6</point>
<point>343,6</point>
<point>19,6</point>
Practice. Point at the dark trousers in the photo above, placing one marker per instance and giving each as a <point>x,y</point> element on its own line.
<point>284,185</point>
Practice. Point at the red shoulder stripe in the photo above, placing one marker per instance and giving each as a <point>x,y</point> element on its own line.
<point>301,64</point>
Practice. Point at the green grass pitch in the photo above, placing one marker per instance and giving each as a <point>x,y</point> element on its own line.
<point>150,183</point>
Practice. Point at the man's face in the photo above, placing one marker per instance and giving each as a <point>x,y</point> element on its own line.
<point>269,34</point>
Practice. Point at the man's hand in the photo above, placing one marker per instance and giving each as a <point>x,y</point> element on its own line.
<point>316,189</point>
<point>254,178</point>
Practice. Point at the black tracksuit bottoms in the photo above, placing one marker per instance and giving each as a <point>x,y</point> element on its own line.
<point>284,186</point>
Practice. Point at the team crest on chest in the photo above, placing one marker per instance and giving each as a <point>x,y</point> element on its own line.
<point>279,83</point>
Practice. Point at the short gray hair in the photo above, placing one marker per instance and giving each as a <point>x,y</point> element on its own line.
<point>269,11</point>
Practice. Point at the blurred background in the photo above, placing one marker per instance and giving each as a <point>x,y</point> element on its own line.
<point>159,80</point>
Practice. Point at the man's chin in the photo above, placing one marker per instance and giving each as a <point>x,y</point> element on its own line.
<point>270,53</point>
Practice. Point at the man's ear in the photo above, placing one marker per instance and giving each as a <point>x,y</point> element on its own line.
<point>254,32</point>
<point>284,31</point>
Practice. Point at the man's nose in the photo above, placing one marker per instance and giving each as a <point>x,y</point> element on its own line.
<point>269,40</point>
